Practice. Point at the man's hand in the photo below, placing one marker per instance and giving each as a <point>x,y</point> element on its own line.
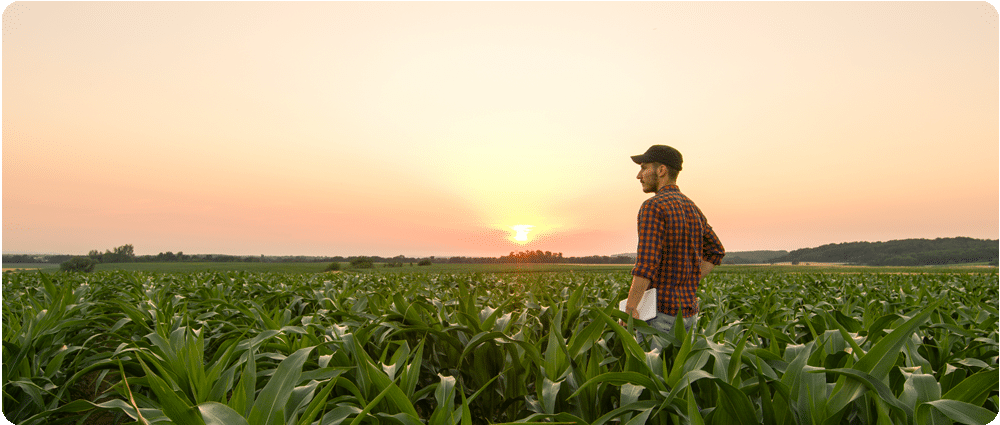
<point>631,312</point>
<point>639,286</point>
<point>706,268</point>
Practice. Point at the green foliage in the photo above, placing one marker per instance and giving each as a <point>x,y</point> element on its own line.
<point>907,252</point>
<point>20,258</point>
<point>475,348</point>
<point>78,264</point>
<point>751,257</point>
<point>35,259</point>
<point>425,262</point>
<point>121,254</point>
<point>335,266</point>
<point>362,263</point>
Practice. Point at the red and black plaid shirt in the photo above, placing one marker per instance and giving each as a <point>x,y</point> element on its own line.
<point>674,238</point>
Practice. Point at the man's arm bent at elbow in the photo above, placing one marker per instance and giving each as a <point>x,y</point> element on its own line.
<point>712,252</point>
<point>639,286</point>
<point>706,268</point>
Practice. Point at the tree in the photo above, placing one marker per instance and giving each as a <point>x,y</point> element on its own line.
<point>127,251</point>
<point>362,263</point>
<point>78,264</point>
<point>95,255</point>
<point>121,254</point>
<point>19,258</point>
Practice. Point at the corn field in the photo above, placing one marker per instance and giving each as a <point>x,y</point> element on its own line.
<point>259,348</point>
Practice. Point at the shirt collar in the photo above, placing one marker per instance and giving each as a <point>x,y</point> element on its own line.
<point>668,188</point>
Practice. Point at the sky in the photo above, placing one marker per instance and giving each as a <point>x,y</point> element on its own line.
<point>419,129</point>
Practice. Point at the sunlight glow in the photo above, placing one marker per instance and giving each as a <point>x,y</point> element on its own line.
<point>522,232</point>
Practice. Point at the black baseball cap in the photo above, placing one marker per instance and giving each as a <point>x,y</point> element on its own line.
<point>665,155</point>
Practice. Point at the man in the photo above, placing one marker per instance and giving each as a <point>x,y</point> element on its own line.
<point>677,247</point>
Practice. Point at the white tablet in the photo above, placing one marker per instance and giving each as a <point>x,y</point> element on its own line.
<point>647,305</point>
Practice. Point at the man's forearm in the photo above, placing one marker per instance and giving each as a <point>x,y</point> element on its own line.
<point>639,286</point>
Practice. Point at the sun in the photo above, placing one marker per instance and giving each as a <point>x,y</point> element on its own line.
<point>521,235</point>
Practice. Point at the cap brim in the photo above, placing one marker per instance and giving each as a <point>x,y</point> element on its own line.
<point>639,159</point>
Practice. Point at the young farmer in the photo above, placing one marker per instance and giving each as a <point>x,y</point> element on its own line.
<point>677,247</point>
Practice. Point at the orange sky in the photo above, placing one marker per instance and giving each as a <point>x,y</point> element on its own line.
<point>314,128</point>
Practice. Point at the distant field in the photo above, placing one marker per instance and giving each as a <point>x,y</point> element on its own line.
<point>29,266</point>
<point>833,268</point>
<point>186,267</point>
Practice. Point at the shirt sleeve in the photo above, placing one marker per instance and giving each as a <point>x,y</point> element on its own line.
<point>712,249</point>
<point>650,249</point>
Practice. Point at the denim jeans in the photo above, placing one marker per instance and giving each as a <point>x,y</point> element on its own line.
<point>665,323</point>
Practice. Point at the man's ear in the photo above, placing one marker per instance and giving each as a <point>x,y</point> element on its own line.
<point>662,170</point>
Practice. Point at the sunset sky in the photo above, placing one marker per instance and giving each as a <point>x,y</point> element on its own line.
<point>315,128</point>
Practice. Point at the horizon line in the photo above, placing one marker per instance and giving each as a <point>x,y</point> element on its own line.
<point>486,256</point>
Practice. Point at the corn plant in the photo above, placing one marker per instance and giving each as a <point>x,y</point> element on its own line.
<point>473,348</point>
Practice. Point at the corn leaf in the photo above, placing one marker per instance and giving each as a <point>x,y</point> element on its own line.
<point>219,414</point>
<point>627,409</point>
<point>173,405</point>
<point>268,407</point>
<point>736,403</point>
<point>879,387</point>
<point>634,378</point>
<point>317,403</point>
<point>243,394</point>
<point>919,388</point>
<point>693,412</point>
<point>878,360</point>
<point>445,397</point>
<point>382,383</point>
<point>955,410</point>
<point>682,355</point>
<point>974,389</point>
<point>736,360</point>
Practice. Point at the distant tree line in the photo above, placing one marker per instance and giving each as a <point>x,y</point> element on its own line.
<point>121,254</point>
<point>126,254</point>
<point>752,257</point>
<point>542,257</point>
<point>905,252</point>
<point>29,258</point>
